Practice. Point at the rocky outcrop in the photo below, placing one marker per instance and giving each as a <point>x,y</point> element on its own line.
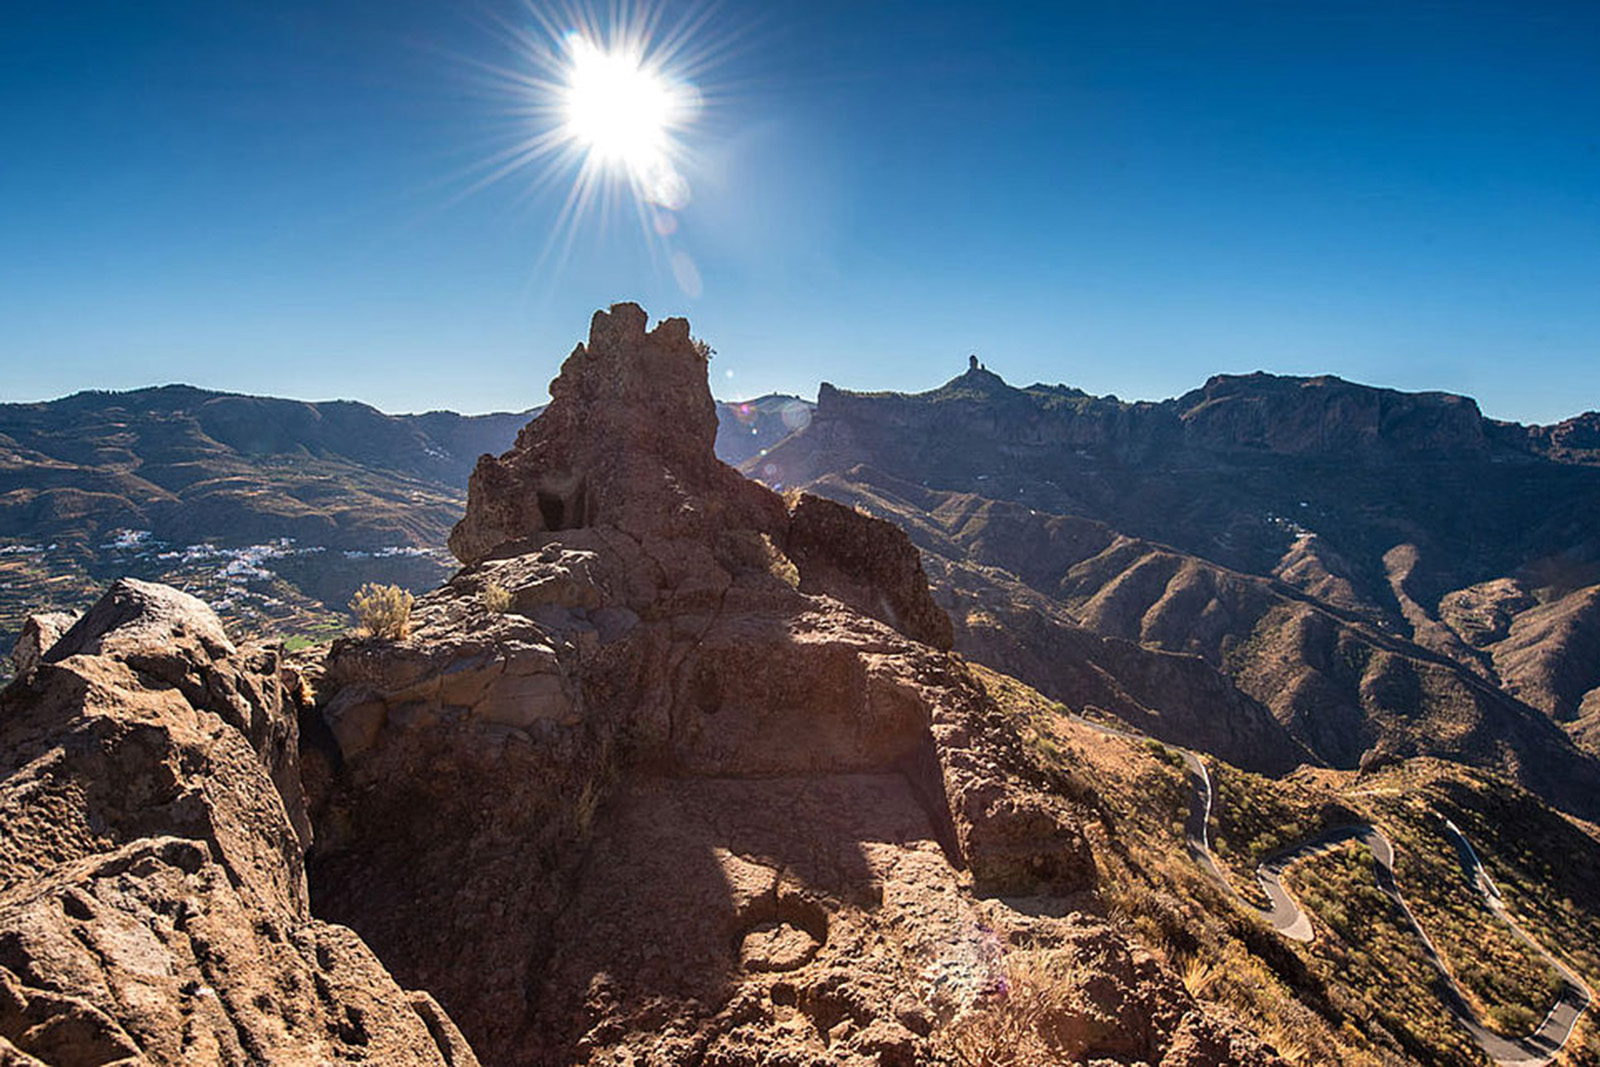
<point>153,904</point>
<point>866,563</point>
<point>671,771</point>
<point>39,633</point>
<point>1574,440</point>
<point>627,442</point>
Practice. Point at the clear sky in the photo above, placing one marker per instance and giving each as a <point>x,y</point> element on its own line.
<point>279,197</point>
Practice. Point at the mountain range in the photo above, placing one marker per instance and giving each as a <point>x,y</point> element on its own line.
<point>1257,726</point>
<point>1267,567</point>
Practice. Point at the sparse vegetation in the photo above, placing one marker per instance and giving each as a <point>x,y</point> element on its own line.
<point>1036,1015</point>
<point>496,598</point>
<point>383,610</point>
<point>1545,866</point>
<point>1253,817</point>
<point>779,565</point>
<point>1368,949</point>
<point>316,633</point>
<point>1362,992</point>
<point>1509,986</point>
<point>756,551</point>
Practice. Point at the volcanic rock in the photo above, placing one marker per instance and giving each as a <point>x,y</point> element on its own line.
<point>39,633</point>
<point>708,791</point>
<point>627,442</point>
<point>153,905</point>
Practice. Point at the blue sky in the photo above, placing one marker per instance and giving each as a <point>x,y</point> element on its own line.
<point>1127,197</point>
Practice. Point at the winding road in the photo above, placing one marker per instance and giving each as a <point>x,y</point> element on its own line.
<point>1288,918</point>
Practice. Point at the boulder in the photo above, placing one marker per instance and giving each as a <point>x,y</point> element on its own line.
<point>39,634</point>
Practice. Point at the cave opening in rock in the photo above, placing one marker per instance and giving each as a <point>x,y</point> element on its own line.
<point>565,511</point>
<point>553,510</point>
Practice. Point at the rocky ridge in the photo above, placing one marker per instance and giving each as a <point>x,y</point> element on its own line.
<point>708,791</point>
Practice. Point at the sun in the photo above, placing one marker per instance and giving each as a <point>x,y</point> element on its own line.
<point>609,104</point>
<point>623,115</point>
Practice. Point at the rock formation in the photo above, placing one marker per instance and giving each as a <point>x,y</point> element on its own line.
<point>153,903</point>
<point>708,790</point>
<point>39,634</point>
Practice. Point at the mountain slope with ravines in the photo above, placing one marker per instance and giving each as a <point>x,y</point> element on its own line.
<point>1374,574</point>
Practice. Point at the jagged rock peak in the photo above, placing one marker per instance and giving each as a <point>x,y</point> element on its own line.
<point>627,444</point>
<point>627,441</point>
<point>639,390</point>
<point>978,378</point>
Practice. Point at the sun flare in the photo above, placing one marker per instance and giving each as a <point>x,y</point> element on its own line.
<point>623,114</point>
<point>612,104</point>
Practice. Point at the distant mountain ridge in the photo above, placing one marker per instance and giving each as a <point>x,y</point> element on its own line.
<point>1374,574</point>
<point>1321,416</point>
<point>96,461</point>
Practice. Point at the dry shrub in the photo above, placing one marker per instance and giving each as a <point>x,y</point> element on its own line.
<point>1038,1016</point>
<point>749,550</point>
<point>1285,1042</point>
<point>496,598</point>
<point>383,610</point>
<point>1199,976</point>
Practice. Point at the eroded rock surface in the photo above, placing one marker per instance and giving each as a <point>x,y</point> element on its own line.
<point>708,791</point>
<point>153,904</point>
<point>39,634</point>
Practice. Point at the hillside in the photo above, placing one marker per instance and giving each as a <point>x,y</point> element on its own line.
<point>677,770</point>
<point>1373,575</point>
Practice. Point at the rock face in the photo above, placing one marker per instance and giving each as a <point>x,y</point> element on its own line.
<point>708,791</point>
<point>627,442</point>
<point>39,633</point>
<point>868,564</point>
<point>153,904</point>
